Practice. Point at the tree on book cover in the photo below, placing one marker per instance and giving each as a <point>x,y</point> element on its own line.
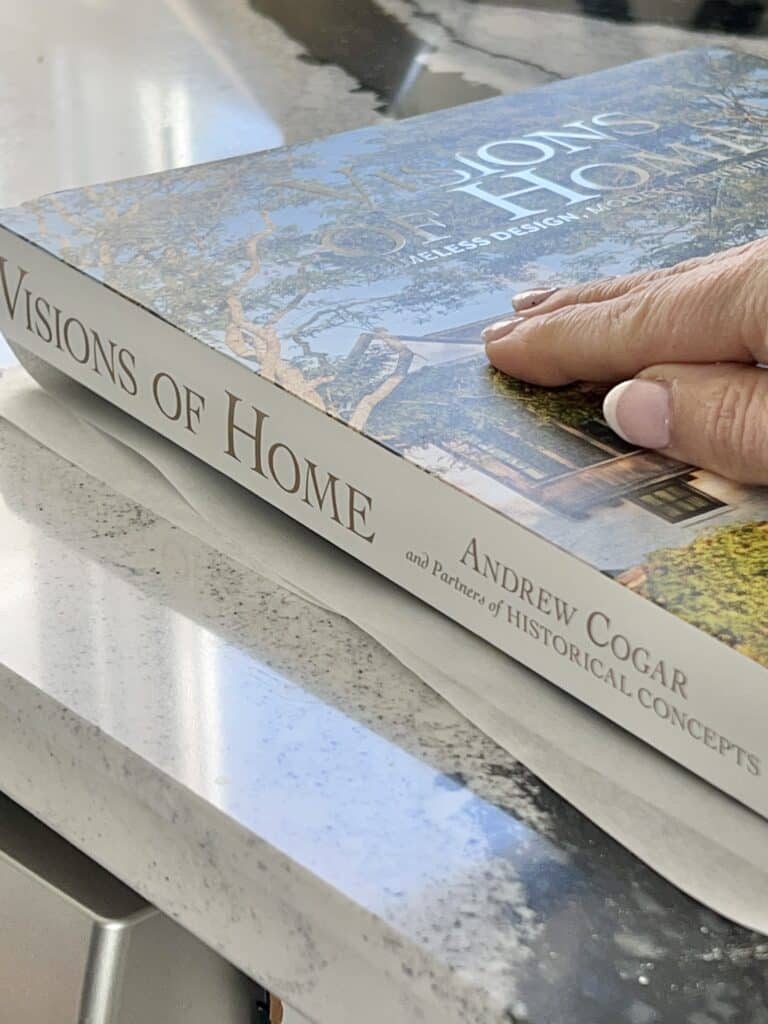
<point>358,272</point>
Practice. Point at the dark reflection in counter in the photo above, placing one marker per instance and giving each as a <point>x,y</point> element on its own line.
<point>732,16</point>
<point>376,49</point>
<point>385,54</point>
<point>617,10</point>
<point>592,934</point>
<point>745,17</point>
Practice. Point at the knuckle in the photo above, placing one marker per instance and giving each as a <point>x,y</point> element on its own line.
<point>758,247</point>
<point>596,291</point>
<point>619,317</point>
<point>645,306</point>
<point>639,319</point>
<point>679,308</point>
<point>747,279</point>
<point>562,298</point>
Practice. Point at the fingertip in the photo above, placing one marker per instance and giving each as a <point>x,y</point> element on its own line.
<point>500,353</point>
<point>515,358</point>
<point>611,405</point>
<point>524,301</point>
<point>492,353</point>
<point>500,329</point>
<point>639,412</point>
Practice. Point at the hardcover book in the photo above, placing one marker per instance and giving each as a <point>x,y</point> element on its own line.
<point>307,320</point>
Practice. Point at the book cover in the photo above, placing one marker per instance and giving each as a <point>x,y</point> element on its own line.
<point>308,321</point>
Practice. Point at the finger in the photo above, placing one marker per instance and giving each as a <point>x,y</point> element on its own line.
<point>547,300</point>
<point>715,417</point>
<point>537,301</point>
<point>699,317</point>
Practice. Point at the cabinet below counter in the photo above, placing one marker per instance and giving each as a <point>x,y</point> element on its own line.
<point>79,947</point>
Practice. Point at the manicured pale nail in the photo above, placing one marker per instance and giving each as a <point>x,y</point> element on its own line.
<point>530,299</point>
<point>501,328</point>
<point>638,411</point>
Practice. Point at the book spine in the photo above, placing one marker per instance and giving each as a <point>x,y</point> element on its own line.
<point>680,690</point>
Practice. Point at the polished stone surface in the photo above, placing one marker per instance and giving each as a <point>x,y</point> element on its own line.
<point>270,777</point>
<point>257,767</point>
<point>421,55</point>
<point>98,89</point>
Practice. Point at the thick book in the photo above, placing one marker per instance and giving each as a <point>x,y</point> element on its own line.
<point>307,320</point>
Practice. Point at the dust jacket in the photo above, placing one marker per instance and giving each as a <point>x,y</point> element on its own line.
<point>307,320</point>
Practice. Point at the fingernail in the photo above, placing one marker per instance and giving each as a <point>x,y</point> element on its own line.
<point>527,300</point>
<point>501,328</point>
<point>638,411</point>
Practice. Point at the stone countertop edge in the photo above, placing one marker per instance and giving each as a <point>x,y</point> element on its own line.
<point>270,917</point>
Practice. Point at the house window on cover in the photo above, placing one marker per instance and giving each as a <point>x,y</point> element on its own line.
<point>599,431</point>
<point>577,450</point>
<point>675,501</point>
<point>525,458</point>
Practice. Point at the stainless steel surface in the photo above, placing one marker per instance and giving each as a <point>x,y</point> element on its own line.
<point>79,947</point>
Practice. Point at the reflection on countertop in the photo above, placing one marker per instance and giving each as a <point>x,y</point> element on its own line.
<point>266,730</point>
<point>423,55</point>
<point>292,793</point>
<point>7,358</point>
<point>105,89</point>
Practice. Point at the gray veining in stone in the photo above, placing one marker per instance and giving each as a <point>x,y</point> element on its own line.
<point>257,767</point>
<point>269,776</point>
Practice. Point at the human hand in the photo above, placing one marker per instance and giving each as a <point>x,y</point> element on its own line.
<point>684,342</point>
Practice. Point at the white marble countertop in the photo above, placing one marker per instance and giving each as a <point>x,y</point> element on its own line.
<point>270,777</point>
<point>258,768</point>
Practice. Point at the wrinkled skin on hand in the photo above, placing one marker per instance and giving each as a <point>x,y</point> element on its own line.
<point>682,345</point>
